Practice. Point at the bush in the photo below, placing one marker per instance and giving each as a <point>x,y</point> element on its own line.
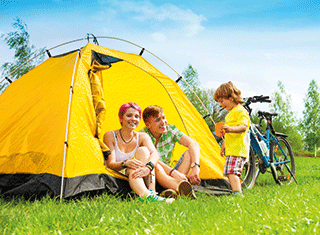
<point>302,153</point>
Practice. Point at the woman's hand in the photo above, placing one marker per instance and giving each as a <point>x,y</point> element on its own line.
<point>134,164</point>
<point>141,172</point>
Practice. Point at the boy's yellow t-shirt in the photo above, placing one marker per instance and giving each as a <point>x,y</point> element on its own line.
<point>237,144</point>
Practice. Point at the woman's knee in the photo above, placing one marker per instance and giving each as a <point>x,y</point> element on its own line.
<point>142,154</point>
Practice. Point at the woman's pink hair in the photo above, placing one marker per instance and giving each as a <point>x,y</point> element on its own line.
<point>125,106</point>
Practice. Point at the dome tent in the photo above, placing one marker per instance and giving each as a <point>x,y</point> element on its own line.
<point>53,118</point>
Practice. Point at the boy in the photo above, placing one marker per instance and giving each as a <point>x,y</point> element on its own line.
<point>236,145</point>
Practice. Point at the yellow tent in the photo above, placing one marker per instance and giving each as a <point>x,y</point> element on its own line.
<point>51,120</point>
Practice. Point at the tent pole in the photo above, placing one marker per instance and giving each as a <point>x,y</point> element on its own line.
<point>67,127</point>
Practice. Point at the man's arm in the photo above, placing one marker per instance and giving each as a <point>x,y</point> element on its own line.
<point>194,152</point>
<point>193,147</point>
<point>165,167</point>
<point>172,172</point>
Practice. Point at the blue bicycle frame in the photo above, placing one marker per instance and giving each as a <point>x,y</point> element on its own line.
<point>255,135</point>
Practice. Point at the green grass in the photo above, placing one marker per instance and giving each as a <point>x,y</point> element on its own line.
<point>265,209</point>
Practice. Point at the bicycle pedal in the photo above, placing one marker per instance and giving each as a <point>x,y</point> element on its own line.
<point>282,178</point>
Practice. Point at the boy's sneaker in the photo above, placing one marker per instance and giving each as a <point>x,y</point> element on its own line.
<point>185,190</point>
<point>153,197</point>
<point>169,193</point>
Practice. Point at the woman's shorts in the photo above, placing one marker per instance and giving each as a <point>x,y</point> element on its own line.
<point>233,165</point>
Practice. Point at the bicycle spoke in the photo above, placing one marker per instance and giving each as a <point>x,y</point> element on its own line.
<point>281,153</point>
<point>248,173</point>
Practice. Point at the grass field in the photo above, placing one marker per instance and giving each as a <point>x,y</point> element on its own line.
<point>265,209</point>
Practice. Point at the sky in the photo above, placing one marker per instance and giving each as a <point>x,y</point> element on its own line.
<point>254,44</point>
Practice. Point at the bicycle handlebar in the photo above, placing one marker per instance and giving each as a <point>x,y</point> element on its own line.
<point>255,99</point>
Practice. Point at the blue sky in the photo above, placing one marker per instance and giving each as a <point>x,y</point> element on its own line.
<point>255,44</point>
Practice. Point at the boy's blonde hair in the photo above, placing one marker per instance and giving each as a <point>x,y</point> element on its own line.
<point>153,110</point>
<point>228,91</point>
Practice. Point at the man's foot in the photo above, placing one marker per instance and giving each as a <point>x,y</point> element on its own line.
<point>185,190</point>
<point>169,193</point>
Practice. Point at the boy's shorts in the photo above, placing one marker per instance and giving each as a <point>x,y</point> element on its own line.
<point>233,165</point>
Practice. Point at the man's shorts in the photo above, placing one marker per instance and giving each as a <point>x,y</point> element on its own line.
<point>233,165</point>
<point>179,162</point>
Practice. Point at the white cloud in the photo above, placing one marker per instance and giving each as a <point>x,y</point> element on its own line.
<point>159,37</point>
<point>168,17</point>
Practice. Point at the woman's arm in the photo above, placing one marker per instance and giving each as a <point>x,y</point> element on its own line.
<point>109,140</point>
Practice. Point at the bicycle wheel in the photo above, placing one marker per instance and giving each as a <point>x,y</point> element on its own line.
<point>249,170</point>
<point>282,173</point>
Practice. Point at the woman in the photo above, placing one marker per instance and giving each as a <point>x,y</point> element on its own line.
<point>133,153</point>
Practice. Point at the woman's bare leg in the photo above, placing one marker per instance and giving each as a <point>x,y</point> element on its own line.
<point>141,186</point>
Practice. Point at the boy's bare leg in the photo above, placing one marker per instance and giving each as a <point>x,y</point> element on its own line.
<point>235,182</point>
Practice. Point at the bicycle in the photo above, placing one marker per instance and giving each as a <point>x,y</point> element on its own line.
<point>271,149</point>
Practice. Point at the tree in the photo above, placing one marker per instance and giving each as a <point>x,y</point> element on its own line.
<point>194,91</point>
<point>192,87</point>
<point>20,42</point>
<point>310,124</point>
<point>285,122</point>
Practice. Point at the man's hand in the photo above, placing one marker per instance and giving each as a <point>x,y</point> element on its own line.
<point>178,175</point>
<point>194,175</point>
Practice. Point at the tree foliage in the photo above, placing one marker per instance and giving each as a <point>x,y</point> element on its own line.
<point>286,121</point>
<point>192,87</point>
<point>20,42</point>
<point>311,116</point>
<point>194,91</point>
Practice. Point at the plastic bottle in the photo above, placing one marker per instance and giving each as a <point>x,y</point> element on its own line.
<point>264,148</point>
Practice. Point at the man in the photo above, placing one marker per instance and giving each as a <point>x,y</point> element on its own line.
<point>164,137</point>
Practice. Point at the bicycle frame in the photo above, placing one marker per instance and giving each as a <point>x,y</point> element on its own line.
<point>267,145</point>
<point>255,135</point>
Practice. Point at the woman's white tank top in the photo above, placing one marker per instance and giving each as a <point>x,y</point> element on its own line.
<point>120,156</point>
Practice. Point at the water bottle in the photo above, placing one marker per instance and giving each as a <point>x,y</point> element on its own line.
<point>264,148</point>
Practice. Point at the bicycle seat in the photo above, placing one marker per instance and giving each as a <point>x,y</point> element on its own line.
<point>281,134</point>
<point>267,114</point>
